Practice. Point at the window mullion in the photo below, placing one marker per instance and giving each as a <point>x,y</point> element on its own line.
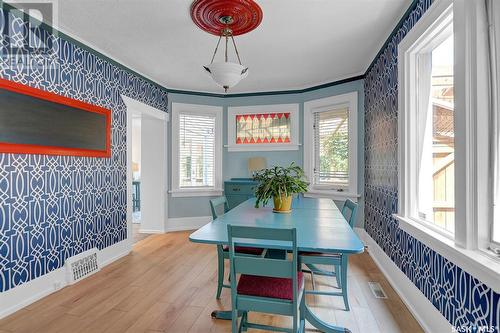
<point>465,201</point>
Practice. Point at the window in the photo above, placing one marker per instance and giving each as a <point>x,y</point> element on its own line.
<point>430,126</point>
<point>434,133</point>
<point>494,42</point>
<point>330,145</point>
<point>445,141</point>
<point>196,153</point>
<point>196,150</point>
<point>263,127</point>
<point>331,148</point>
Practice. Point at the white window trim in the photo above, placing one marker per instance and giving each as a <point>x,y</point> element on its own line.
<point>475,262</point>
<point>310,107</point>
<point>197,109</point>
<point>435,19</point>
<point>470,179</point>
<point>232,111</point>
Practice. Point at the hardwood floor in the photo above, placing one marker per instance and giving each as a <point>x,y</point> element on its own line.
<point>167,284</point>
<point>136,235</point>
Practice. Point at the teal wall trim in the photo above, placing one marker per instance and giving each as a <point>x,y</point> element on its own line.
<point>298,91</point>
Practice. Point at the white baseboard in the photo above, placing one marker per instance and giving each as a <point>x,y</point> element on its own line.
<point>151,231</point>
<point>17,298</point>
<point>114,252</point>
<point>422,309</point>
<point>187,223</point>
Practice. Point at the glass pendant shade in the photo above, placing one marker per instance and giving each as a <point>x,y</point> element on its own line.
<point>226,74</point>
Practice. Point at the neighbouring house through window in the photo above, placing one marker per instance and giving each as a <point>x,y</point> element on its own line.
<point>436,136</point>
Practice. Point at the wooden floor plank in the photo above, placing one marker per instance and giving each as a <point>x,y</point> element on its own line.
<point>167,284</point>
<point>186,319</point>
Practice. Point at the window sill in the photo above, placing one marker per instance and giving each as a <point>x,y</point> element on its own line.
<point>262,147</point>
<point>475,262</point>
<point>201,192</point>
<point>335,195</point>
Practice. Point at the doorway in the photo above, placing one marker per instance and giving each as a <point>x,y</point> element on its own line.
<point>137,235</point>
<point>146,170</point>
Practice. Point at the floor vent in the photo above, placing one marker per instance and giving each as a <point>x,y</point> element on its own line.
<point>82,265</point>
<point>377,290</point>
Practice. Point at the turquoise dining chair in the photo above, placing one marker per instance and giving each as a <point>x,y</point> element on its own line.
<point>219,206</point>
<point>338,261</point>
<point>266,285</point>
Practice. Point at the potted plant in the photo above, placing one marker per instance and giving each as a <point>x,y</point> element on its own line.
<point>279,183</point>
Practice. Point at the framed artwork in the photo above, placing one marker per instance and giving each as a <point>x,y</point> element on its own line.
<point>34,121</point>
<point>263,127</point>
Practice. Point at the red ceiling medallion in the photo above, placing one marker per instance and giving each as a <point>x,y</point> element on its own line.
<point>210,15</point>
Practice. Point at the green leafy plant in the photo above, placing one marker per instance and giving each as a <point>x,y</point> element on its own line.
<point>279,181</point>
<point>336,152</point>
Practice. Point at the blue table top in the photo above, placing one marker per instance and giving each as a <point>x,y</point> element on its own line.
<point>319,223</point>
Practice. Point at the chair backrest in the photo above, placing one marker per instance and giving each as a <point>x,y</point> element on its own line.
<point>216,203</point>
<point>262,266</point>
<point>349,211</point>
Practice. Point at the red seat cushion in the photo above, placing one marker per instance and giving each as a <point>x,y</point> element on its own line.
<point>246,250</point>
<point>263,286</point>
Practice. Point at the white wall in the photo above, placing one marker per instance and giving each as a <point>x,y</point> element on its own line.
<point>136,145</point>
<point>153,175</point>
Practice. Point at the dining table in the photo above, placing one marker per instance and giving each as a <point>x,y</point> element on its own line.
<point>320,226</point>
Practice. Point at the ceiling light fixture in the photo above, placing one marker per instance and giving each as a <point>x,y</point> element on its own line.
<point>226,19</point>
<point>226,74</point>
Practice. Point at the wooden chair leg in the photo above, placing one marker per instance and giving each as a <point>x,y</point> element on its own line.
<point>337,275</point>
<point>220,271</point>
<point>295,319</point>
<point>243,322</point>
<point>343,272</point>
<point>302,318</point>
<point>312,280</point>
<point>234,321</point>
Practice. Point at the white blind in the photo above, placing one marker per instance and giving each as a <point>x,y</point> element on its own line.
<point>331,148</point>
<point>197,150</point>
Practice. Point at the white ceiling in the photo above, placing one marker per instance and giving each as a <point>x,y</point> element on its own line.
<point>299,44</point>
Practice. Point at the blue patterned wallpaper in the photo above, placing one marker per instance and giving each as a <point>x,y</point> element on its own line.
<point>460,297</point>
<point>53,207</point>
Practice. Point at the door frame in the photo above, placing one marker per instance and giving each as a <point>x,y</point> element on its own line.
<point>136,108</point>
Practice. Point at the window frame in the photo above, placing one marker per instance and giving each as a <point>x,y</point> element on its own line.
<point>196,109</point>
<point>468,248</point>
<point>494,20</point>
<point>419,40</point>
<point>311,107</point>
<point>233,111</point>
